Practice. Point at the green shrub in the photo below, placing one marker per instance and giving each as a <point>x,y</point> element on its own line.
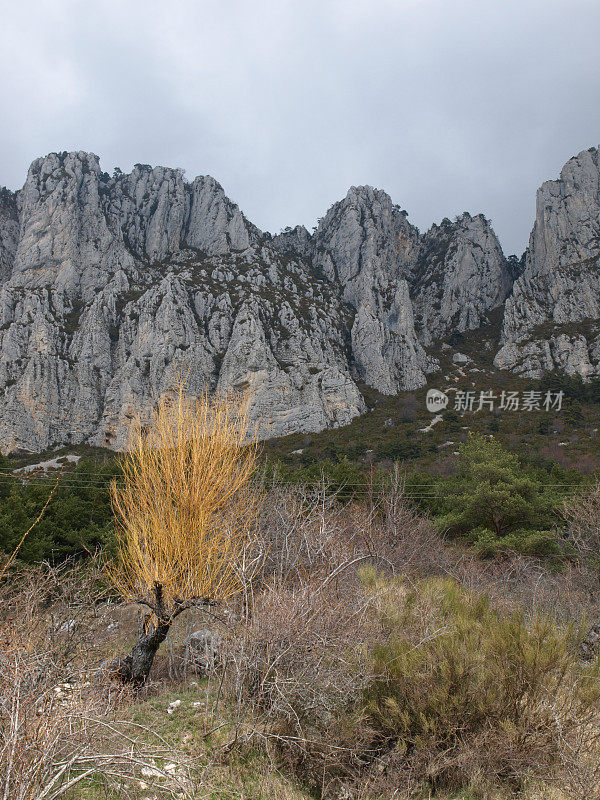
<point>452,421</point>
<point>495,504</point>
<point>342,476</point>
<point>572,386</point>
<point>573,413</point>
<point>399,449</point>
<point>462,693</point>
<point>437,691</point>
<point>78,518</point>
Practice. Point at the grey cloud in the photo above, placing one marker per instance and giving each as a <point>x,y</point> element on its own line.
<point>448,106</point>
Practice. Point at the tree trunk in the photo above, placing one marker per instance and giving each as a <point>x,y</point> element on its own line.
<point>136,667</point>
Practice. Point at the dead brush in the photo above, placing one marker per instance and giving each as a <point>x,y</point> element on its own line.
<point>582,513</point>
<point>56,738</point>
<point>306,530</point>
<point>59,715</point>
<point>408,685</point>
<point>298,662</point>
<point>291,662</point>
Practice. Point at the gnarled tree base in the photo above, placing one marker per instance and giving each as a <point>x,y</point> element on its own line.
<point>135,668</point>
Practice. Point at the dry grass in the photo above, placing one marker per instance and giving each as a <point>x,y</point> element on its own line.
<point>59,715</point>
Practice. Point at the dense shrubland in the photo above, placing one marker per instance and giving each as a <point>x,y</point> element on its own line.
<point>495,504</point>
<point>492,501</point>
<point>77,522</point>
<point>412,667</point>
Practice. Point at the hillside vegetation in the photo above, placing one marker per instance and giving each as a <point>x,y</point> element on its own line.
<point>394,627</point>
<point>376,660</point>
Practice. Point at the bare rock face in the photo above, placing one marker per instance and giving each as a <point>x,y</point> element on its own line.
<point>366,244</point>
<point>552,318</point>
<point>9,231</point>
<point>65,236</point>
<point>116,282</point>
<point>295,241</point>
<point>461,275</point>
<point>111,284</point>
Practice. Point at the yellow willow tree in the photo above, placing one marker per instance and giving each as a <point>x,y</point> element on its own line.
<point>185,508</point>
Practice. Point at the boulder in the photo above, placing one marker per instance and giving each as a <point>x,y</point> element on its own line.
<point>203,650</point>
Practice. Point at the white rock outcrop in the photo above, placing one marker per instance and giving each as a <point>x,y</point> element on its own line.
<point>461,276</point>
<point>552,318</point>
<point>109,284</point>
<point>112,283</point>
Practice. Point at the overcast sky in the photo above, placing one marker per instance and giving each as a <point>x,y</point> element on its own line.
<point>448,105</point>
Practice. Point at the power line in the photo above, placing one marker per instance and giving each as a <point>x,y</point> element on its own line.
<point>363,490</point>
<point>100,476</point>
<point>99,480</point>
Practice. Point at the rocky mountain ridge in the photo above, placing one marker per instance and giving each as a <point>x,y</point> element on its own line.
<point>109,284</point>
<point>552,318</point>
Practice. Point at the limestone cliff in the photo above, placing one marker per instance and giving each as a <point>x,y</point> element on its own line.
<point>109,284</point>
<point>552,318</point>
<point>461,275</point>
<point>115,282</point>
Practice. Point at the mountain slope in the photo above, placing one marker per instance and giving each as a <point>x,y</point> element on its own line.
<point>110,284</point>
<point>552,317</point>
<point>117,282</point>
